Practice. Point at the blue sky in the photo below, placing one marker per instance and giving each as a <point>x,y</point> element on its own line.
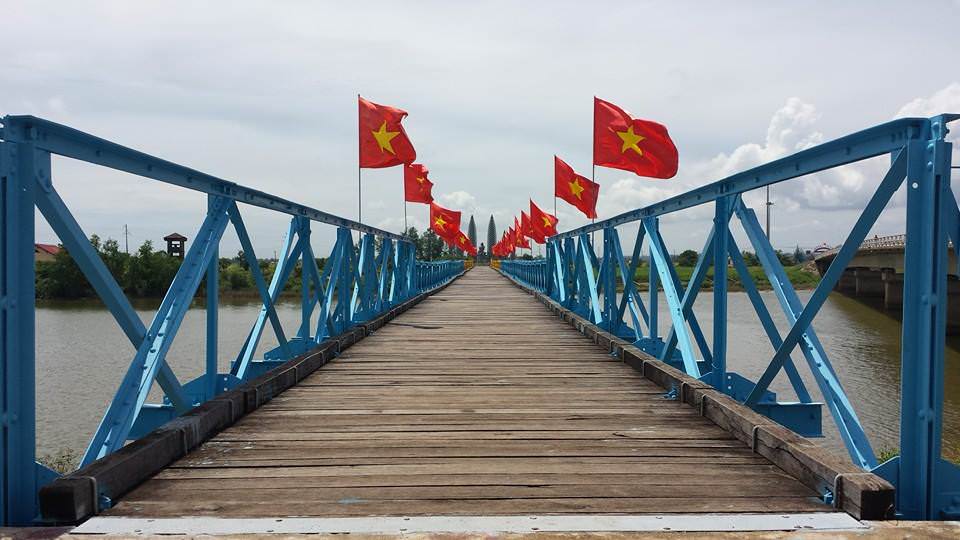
<point>265,94</point>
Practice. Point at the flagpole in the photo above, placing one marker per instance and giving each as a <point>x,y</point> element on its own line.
<point>404,217</point>
<point>359,173</point>
<point>593,178</point>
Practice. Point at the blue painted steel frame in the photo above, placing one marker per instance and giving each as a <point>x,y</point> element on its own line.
<point>928,487</point>
<point>369,280</point>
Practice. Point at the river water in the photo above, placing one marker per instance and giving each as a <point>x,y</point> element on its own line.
<point>82,355</point>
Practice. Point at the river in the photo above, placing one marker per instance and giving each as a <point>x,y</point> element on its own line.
<point>82,355</point>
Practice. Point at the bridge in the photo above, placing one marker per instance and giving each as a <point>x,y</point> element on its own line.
<point>876,272</point>
<point>436,396</point>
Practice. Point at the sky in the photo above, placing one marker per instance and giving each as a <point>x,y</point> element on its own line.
<point>264,94</point>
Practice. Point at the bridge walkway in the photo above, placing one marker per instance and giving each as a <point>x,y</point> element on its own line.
<point>479,402</point>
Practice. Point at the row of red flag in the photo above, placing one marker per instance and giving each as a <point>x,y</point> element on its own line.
<point>537,226</point>
<point>384,143</point>
<point>620,141</point>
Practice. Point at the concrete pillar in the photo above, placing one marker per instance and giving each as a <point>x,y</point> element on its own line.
<point>847,282</point>
<point>892,290</point>
<point>868,282</point>
<point>953,306</point>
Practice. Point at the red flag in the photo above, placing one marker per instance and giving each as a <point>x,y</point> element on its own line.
<point>575,189</point>
<point>528,230</point>
<point>518,238</point>
<point>464,244</point>
<point>383,141</point>
<point>627,143</point>
<point>446,223</point>
<point>416,186</point>
<point>525,225</point>
<point>544,224</point>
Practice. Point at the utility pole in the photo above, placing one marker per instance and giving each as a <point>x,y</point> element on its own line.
<point>769,204</point>
<point>126,239</point>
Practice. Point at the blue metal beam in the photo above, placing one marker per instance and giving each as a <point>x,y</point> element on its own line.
<point>288,256</point>
<point>130,397</point>
<point>660,258</point>
<point>923,479</point>
<point>258,280</point>
<point>68,142</point>
<point>73,238</point>
<point>848,424</point>
<point>885,190</point>
<point>769,327</point>
<point>18,474</point>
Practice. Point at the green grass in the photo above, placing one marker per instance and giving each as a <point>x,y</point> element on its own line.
<point>800,277</point>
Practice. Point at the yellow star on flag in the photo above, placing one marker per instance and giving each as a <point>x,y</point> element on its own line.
<point>421,179</point>
<point>576,188</point>
<point>547,222</point>
<point>630,140</point>
<point>439,222</point>
<point>384,137</point>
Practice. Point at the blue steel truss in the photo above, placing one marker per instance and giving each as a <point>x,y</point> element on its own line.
<point>357,283</point>
<point>928,487</point>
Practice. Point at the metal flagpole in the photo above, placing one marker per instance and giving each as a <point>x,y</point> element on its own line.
<point>359,170</point>
<point>404,217</point>
<point>593,178</point>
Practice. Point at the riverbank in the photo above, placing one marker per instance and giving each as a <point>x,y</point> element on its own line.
<point>801,276</point>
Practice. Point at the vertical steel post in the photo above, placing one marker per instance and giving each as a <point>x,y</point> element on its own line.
<point>924,324</point>
<point>306,306</point>
<point>721,221</point>
<point>18,174</point>
<point>653,284</point>
<point>213,301</point>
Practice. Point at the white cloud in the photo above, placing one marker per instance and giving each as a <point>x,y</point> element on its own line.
<point>458,200</point>
<point>265,97</point>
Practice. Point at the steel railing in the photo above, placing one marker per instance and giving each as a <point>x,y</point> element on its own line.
<point>601,288</point>
<point>358,282</point>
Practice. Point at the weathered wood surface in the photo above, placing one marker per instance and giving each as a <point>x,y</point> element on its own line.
<point>475,402</point>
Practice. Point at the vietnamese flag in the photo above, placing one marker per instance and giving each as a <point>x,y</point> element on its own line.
<point>446,223</point>
<point>383,141</point>
<point>416,186</point>
<point>518,238</point>
<point>464,244</point>
<point>525,225</point>
<point>575,189</point>
<point>544,224</point>
<point>623,142</point>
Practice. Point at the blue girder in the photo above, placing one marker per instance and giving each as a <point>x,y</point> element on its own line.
<point>928,487</point>
<point>370,283</point>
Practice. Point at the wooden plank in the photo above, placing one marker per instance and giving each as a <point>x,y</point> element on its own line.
<point>476,401</point>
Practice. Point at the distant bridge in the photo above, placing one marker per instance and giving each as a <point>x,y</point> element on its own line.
<point>877,269</point>
<point>431,390</point>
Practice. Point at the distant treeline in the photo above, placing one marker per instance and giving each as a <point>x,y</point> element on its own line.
<point>147,273</point>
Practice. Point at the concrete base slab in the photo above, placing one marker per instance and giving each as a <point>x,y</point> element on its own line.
<point>396,525</point>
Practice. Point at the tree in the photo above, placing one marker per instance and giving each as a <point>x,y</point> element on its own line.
<point>472,231</point>
<point>785,260</point>
<point>430,246</point>
<point>62,278</point>
<point>491,233</point>
<point>750,259</point>
<point>798,256</point>
<point>687,258</point>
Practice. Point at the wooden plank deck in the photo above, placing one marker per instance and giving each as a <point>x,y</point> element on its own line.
<point>475,402</point>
